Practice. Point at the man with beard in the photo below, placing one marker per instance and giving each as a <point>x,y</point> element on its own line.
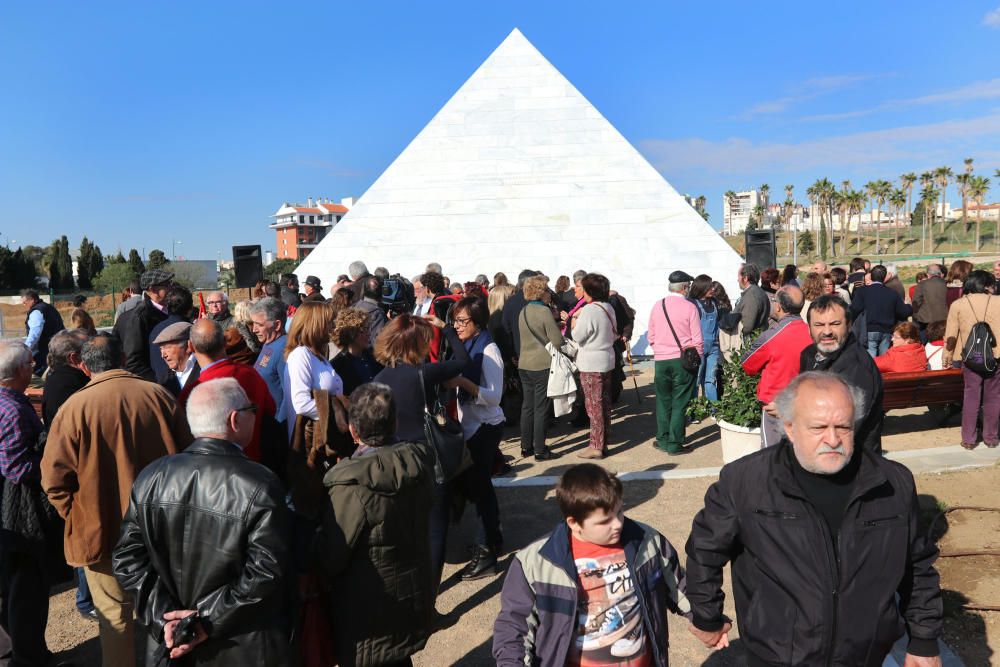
<point>836,349</point>
<point>829,561</point>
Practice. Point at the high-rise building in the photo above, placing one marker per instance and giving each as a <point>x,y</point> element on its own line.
<point>300,228</point>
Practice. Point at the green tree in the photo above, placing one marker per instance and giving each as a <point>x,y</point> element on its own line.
<point>822,239</point>
<point>157,259</point>
<point>941,176</point>
<point>135,262</point>
<point>806,245</point>
<point>978,187</point>
<point>117,259</point>
<point>83,264</point>
<point>114,278</point>
<point>897,201</point>
<point>25,271</point>
<point>96,264</point>
<point>274,270</point>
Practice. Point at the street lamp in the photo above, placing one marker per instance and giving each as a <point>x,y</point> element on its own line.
<point>173,243</point>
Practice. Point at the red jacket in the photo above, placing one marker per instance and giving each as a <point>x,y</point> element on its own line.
<point>775,355</point>
<point>908,358</point>
<point>254,386</point>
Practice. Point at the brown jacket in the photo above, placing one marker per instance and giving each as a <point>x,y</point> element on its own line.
<point>929,301</point>
<point>962,315</point>
<point>100,440</point>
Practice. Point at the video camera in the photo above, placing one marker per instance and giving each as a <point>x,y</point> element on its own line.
<point>397,295</point>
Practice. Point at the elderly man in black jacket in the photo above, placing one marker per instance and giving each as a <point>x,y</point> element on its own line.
<point>135,325</point>
<point>206,533</point>
<point>830,565</point>
<point>836,349</point>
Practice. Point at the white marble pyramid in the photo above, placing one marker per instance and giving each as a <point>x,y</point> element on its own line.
<point>518,170</point>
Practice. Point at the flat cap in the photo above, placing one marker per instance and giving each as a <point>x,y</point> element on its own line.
<point>313,281</point>
<point>176,332</point>
<point>680,277</point>
<point>155,277</point>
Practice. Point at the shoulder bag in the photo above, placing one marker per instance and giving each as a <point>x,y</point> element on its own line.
<point>445,435</point>
<point>690,357</point>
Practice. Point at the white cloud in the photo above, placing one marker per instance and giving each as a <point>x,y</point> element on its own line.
<point>805,91</point>
<point>919,144</point>
<point>992,19</point>
<point>977,90</point>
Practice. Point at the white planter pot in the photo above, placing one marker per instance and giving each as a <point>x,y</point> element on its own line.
<point>737,441</point>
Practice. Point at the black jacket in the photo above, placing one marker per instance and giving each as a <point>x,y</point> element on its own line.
<point>374,551</point>
<point>61,383</point>
<point>854,364</point>
<point>208,529</point>
<point>881,305</point>
<point>801,598</point>
<point>52,323</point>
<point>510,341</point>
<point>344,365</point>
<point>133,329</point>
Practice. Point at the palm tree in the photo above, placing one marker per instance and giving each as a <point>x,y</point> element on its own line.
<point>978,187</point>
<point>760,211</point>
<point>787,209</point>
<point>824,198</point>
<point>897,199</point>
<point>813,193</point>
<point>941,175</point>
<point>928,196</point>
<point>926,181</point>
<point>962,181</point>
<point>857,199</point>
<point>906,182</point>
<point>731,200</point>
<point>879,193</point>
<point>765,190</point>
<point>968,164</point>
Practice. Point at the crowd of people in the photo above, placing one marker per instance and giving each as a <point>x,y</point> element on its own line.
<point>224,476</point>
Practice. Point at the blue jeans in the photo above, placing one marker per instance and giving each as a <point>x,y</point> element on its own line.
<point>878,343</point>
<point>708,374</point>
<point>83,601</point>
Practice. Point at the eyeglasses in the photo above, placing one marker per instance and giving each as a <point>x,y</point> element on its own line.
<point>462,320</point>
<point>215,303</point>
<point>247,408</point>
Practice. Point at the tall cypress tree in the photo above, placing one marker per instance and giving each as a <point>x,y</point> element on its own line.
<point>135,263</point>
<point>96,261</point>
<point>83,274</point>
<point>65,264</point>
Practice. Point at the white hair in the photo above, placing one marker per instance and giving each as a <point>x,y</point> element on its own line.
<point>357,269</point>
<point>225,297</point>
<point>14,355</point>
<point>678,288</point>
<point>210,405</point>
<point>785,401</point>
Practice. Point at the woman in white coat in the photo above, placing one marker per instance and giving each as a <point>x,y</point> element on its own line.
<point>595,330</point>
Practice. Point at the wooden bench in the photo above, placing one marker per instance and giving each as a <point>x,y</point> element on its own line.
<point>35,396</point>
<point>923,388</point>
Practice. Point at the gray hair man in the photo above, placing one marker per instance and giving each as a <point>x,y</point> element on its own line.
<point>930,300</point>
<point>228,565</point>
<point>674,326</point>
<point>829,561</point>
<point>774,356</point>
<point>217,307</point>
<point>66,375</point>
<point>103,436</point>
<point>23,576</point>
<point>753,308</point>
<point>358,273</point>
<point>267,318</point>
<point>41,323</point>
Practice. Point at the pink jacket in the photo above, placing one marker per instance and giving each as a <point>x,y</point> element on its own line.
<point>684,317</point>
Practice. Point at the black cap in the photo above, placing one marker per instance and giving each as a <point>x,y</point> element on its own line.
<point>680,277</point>
<point>313,281</point>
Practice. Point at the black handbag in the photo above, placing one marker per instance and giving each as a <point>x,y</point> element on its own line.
<point>690,357</point>
<point>445,435</point>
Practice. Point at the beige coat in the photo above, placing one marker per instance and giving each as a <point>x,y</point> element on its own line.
<point>963,314</point>
<point>100,440</point>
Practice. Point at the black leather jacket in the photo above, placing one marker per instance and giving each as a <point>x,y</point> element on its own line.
<point>208,529</point>
<point>803,598</point>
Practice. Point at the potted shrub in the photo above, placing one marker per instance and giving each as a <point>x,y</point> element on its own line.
<point>737,411</point>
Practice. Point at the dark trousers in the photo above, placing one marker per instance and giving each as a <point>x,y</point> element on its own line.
<point>439,529</point>
<point>534,410</point>
<point>674,389</point>
<point>24,609</point>
<point>476,484</point>
<point>976,387</point>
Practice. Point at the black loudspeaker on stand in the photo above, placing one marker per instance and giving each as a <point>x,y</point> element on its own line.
<point>761,247</point>
<point>248,265</point>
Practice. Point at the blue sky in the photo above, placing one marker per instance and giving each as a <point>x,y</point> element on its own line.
<point>137,123</point>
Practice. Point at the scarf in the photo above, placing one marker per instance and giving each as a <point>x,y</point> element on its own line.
<point>476,347</point>
<point>569,316</point>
